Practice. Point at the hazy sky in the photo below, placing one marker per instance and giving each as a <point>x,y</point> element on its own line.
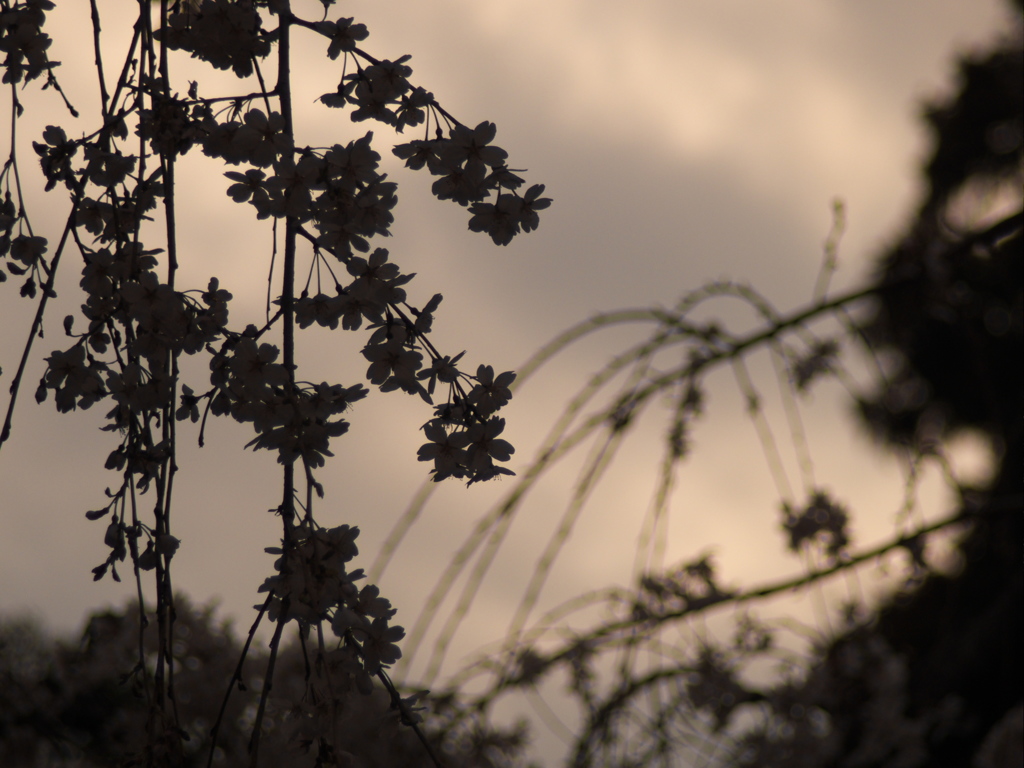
<point>681,141</point>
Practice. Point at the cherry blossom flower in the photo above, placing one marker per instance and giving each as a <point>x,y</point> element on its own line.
<point>377,281</point>
<point>504,219</point>
<point>55,156</point>
<point>447,449</point>
<point>189,408</point>
<point>379,644</point>
<point>463,184</point>
<point>353,165</point>
<point>28,249</point>
<point>253,370</point>
<point>106,169</point>
<point>417,154</point>
<point>491,393</point>
<point>376,87</point>
<point>77,384</point>
<point>469,146</point>
<point>343,35</point>
<point>249,185</point>
<point>441,369</point>
<point>321,309</point>
<point>485,445</point>
<point>393,365</point>
<point>263,138</point>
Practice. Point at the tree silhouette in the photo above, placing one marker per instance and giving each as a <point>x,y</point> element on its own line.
<point>326,205</point>
<point>931,676</point>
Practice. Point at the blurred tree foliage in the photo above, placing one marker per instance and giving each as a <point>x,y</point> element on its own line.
<point>83,704</point>
<point>935,679</point>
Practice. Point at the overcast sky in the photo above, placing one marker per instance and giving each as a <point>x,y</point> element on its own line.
<point>681,141</point>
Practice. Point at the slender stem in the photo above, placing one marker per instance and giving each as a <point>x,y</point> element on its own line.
<point>284,91</point>
<point>275,644</point>
<point>104,96</point>
<point>407,717</point>
<point>37,323</point>
<point>236,678</point>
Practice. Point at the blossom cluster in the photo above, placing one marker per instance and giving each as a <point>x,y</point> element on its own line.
<point>469,165</point>
<point>351,200</point>
<point>822,521</point>
<point>24,42</point>
<point>381,91</point>
<point>26,251</point>
<point>121,537</point>
<point>137,322</point>
<point>470,168</point>
<point>312,585</point>
<point>713,686</point>
<point>689,587</point>
<point>122,288</point>
<point>170,124</point>
<point>818,360</point>
<point>225,33</point>
<point>463,435</point>
<point>230,35</point>
<point>338,190</point>
<point>296,421</point>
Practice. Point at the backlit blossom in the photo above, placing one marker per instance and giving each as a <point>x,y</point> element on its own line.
<point>446,449</point>
<point>491,393</point>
